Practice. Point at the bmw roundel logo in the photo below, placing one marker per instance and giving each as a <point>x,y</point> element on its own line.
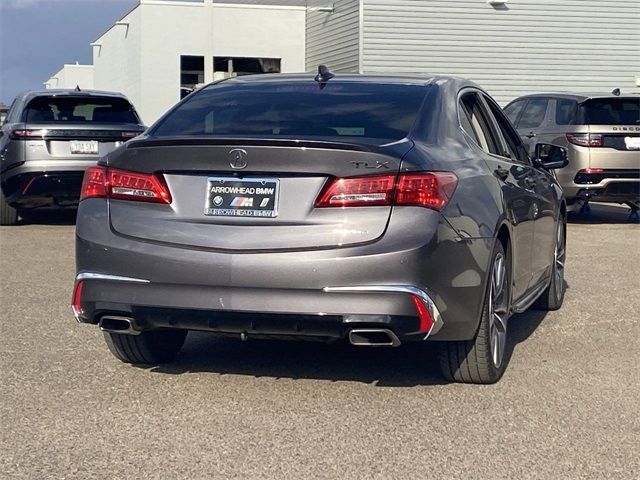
<point>217,200</point>
<point>237,158</point>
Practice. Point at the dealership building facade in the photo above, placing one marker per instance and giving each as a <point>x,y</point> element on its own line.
<point>162,49</point>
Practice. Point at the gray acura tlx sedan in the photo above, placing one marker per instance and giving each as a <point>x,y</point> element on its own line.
<point>378,209</point>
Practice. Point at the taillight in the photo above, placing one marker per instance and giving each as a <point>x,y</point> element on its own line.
<point>357,192</point>
<point>585,139</point>
<point>130,134</point>
<point>22,134</point>
<point>432,190</point>
<point>121,184</point>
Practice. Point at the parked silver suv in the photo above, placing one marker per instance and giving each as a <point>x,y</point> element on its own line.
<point>48,140</point>
<point>601,134</point>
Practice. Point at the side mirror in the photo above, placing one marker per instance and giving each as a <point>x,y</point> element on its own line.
<point>550,157</point>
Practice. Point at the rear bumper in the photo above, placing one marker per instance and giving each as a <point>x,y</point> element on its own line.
<point>296,293</point>
<point>48,184</point>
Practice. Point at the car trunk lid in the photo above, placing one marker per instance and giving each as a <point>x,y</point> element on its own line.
<point>199,170</point>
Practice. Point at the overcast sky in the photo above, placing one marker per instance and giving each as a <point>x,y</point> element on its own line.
<point>38,36</point>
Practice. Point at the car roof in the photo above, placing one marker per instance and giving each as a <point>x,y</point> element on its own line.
<point>381,78</point>
<point>64,92</point>
<point>580,97</point>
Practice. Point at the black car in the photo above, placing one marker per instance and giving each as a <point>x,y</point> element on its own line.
<point>378,209</point>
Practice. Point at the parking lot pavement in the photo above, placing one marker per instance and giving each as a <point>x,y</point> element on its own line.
<point>567,407</point>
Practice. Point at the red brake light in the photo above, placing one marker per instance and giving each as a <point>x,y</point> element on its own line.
<point>357,192</point>
<point>94,183</point>
<point>25,133</point>
<point>585,139</point>
<point>130,134</point>
<point>114,183</point>
<point>432,190</point>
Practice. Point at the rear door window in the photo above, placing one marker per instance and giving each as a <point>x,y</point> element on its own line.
<point>565,111</point>
<point>478,121</point>
<point>611,111</point>
<point>79,110</point>
<point>534,112</point>
<point>512,111</point>
<point>512,146</point>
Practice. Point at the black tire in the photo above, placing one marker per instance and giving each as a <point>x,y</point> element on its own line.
<point>474,361</point>
<point>152,347</point>
<point>8,214</point>
<point>553,297</point>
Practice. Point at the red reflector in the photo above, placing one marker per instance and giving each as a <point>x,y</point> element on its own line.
<point>357,192</point>
<point>431,190</point>
<point>426,322</point>
<point>113,183</point>
<point>591,170</point>
<point>94,183</point>
<point>76,302</point>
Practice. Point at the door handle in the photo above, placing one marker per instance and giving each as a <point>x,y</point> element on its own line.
<point>530,182</point>
<point>501,173</point>
<point>530,135</point>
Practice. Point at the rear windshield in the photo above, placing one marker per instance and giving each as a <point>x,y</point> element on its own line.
<point>379,111</point>
<point>79,110</point>
<point>611,111</point>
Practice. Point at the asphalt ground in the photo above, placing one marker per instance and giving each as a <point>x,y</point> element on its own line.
<point>567,407</point>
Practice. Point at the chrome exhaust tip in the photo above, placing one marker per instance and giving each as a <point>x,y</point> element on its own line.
<point>373,337</point>
<point>117,324</point>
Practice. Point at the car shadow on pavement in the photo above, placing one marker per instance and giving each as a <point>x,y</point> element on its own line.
<point>602,214</point>
<point>407,366</point>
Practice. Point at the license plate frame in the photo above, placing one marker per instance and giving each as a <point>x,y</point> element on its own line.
<point>83,147</point>
<point>242,197</point>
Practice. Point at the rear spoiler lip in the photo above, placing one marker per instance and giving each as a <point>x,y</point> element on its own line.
<point>260,142</point>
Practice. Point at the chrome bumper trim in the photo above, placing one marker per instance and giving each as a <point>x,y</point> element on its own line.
<point>113,278</point>
<point>404,289</point>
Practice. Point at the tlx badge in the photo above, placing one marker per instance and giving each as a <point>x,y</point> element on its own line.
<point>375,166</point>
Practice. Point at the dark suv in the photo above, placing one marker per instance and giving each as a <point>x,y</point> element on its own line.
<point>601,134</point>
<point>48,140</point>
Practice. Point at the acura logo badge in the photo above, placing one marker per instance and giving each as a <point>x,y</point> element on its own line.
<point>237,158</point>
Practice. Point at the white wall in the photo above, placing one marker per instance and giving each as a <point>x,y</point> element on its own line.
<point>142,59</point>
<point>529,46</point>
<point>72,76</point>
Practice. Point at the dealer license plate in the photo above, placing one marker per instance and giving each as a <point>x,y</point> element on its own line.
<point>247,197</point>
<point>84,147</point>
<point>632,143</point>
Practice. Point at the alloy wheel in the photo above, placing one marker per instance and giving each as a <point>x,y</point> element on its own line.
<point>498,309</point>
<point>559,256</point>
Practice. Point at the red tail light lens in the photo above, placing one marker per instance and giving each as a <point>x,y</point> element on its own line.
<point>130,134</point>
<point>585,139</point>
<point>432,190</point>
<point>358,192</point>
<point>94,183</point>
<point>114,183</point>
<point>26,134</point>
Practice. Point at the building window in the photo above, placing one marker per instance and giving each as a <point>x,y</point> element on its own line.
<point>224,67</point>
<point>191,73</point>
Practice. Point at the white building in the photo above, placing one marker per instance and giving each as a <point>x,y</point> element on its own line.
<point>162,48</point>
<point>71,76</point>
